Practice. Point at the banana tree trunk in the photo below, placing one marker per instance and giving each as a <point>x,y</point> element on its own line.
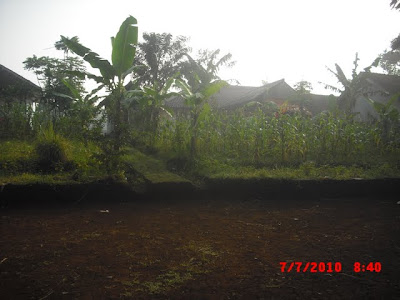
<point>193,139</point>
<point>117,124</point>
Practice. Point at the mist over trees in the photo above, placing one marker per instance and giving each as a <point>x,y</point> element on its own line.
<point>51,72</point>
<point>161,56</point>
<point>134,111</point>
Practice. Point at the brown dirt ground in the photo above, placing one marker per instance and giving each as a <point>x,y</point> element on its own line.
<point>204,249</point>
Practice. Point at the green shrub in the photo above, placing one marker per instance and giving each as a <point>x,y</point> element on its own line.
<point>17,166</point>
<point>307,168</point>
<point>16,157</point>
<point>51,155</point>
<point>51,151</point>
<point>179,163</point>
<point>15,120</point>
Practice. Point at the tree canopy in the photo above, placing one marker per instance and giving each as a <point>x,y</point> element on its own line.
<point>395,4</point>
<point>390,62</point>
<point>51,72</point>
<point>161,56</point>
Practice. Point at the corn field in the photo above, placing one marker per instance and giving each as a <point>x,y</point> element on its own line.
<point>282,139</point>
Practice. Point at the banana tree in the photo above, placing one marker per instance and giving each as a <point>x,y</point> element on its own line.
<point>151,100</point>
<point>388,114</point>
<point>113,73</point>
<point>351,86</point>
<point>83,109</point>
<point>200,86</point>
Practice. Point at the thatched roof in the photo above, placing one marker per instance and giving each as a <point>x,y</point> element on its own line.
<point>232,96</point>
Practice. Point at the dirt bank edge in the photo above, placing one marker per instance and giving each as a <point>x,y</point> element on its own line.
<point>306,189</point>
<point>42,195</point>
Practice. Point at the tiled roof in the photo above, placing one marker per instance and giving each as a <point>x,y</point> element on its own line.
<point>232,96</point>
<point>9,77</point>
<point>387,83</point>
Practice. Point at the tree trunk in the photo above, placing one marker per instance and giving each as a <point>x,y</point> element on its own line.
<point>193,139</point>
<point>117,125</point>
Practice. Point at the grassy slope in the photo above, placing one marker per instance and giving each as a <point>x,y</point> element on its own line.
<point>152,169</point>
<point>17,164</point>
<point>217,170</point>
<point>17,159</point>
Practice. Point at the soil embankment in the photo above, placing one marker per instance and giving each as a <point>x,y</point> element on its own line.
<point>48,196</point>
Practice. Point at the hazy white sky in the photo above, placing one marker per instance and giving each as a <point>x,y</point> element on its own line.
<point>269,39</point>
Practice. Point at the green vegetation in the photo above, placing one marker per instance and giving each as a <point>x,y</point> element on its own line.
<point>60,140</point>
<point>50,151</point>
<point>199,258</point>
<point>151,168</point>
<point>304,171</point>
<point>51,72</point>
<point>54,162</point>
<point>112,79</point>
<point>291,147</point>
<point>202,83</point>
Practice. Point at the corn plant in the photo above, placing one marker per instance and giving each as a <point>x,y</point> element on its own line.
<point>264,139</point>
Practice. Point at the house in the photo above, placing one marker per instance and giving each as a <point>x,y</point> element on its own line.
<point>320,103</point>
<point>379,88</point>
<point>14,87</point>
<point>232,97</point>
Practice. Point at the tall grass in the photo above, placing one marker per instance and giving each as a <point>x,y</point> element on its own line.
<point>51,150</point>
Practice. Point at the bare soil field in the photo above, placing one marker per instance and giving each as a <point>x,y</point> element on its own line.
<point>207,248</point>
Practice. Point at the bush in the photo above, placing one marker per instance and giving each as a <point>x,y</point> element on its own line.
<point>16,157</point>
<point>44,157</point>
<point>51,155</point>
<point>51,151</point>
<point>179,163</point>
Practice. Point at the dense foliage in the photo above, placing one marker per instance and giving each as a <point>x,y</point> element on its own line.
<point>66,132</point>
<point>282,139</point>
<point>51,72</point>
<point>160,56</point>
